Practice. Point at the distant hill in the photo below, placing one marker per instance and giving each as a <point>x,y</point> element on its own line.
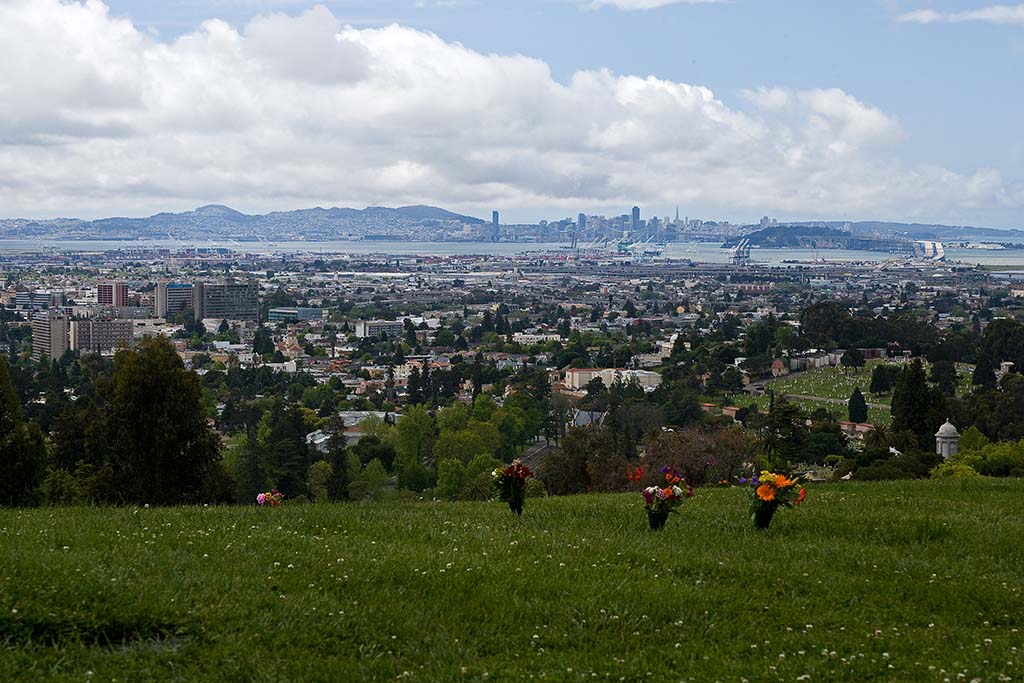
<point>919,231</point>
<point>216,221</point>
<point>867,235</point>
<point>421,212</point>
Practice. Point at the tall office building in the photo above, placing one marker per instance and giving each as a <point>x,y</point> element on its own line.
<point>635,221</point>
<point>227,301</point>
<point>112,294</point>
<point>99,335</point>
<point>581,222</point>
<point>36,301</point>
<point>495,227</point>
<point>49,334</point>
<point>172,297</point>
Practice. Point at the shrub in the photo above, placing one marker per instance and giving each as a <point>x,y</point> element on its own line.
<point>1004,459</point>
<point>535,488</point>
<point>60,488</point>
<point>451,479</point>
<point>952,469</point>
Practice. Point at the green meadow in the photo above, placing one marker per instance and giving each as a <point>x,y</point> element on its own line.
<point>891,581</point>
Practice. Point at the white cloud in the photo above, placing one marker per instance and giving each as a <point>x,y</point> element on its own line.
<point>993,14</point>
<point>101,118</point>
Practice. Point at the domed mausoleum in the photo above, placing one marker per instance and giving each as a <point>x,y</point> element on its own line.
<point>947,440</point>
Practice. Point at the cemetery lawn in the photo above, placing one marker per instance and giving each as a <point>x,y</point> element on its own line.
<point>907,581</point>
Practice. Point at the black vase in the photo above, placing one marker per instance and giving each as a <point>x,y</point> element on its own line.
<point>656,520</point>
<point>763,516</point>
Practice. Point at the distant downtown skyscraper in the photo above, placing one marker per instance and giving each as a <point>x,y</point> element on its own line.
<point>635,222</point>
<point>495,227</point>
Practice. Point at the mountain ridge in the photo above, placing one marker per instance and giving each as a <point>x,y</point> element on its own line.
<point>219,220</point>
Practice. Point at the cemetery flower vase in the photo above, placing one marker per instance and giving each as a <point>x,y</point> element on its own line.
<point>657,519</point>
<point>763,516</point>
<point>515,503</point>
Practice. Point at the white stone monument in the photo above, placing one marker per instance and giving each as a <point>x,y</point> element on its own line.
<point>947,440</point>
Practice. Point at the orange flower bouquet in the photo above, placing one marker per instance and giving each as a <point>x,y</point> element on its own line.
<point>768,492</point>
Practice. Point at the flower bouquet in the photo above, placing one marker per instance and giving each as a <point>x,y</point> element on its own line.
<point>662,500</point>
<point>273,498</point>
<point>511,484</point>
<point>768,492</point>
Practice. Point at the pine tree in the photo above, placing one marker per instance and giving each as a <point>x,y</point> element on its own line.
<point>251,471</point>
<point>984,375</point>
<point>287,454</point>
<point>857,406</point>
<point>911,402</point>
<point>22,448</point>
<point>945,377</point>
<point>157,440</point>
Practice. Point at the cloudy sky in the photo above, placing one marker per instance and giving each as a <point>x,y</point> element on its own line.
<point>800,109</point>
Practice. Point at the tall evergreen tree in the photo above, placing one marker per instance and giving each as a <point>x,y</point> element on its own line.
<point>857,407</point>
<point>287,453</point>
<point>984,375</point>
<point>911,403</point>
<point>158,442</point>
<point>22,448</point>
<point>944,376</point>
<point>251,470</point>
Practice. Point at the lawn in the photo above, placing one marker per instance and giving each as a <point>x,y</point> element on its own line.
<point>899,581</point>
<point>838,383</point>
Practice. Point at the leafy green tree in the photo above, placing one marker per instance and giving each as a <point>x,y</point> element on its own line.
<point>287,454</point>
<point>984,376</point>
<point>414,436</point>
<point>451,478</point>
<point>823,323</point>
<point>785,434</point>
<point>465,444</point>
<point>453,418</point>
<point>262,342</point>
<point>857,407</point>
<point>22,448</point>
<point>370,481</point>
<point>479,478</point>
<point>883,378</point>
<point>944,376</point>
<point>913,403</point>
<point>157,439</point>
<point>852,358</point>
<point>973,440</point>
<point>60,488</point>
<point>372,448</point>
<point>318,480</point>
<point>251,471</point>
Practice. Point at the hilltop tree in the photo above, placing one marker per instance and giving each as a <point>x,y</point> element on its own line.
<point>158,442</point>
<point>883,377</point>
<point>852,358</point>
<point>857,406</point>
<point>944,376</point>
<point>822,324</point>
<point>287,454</point>
<point>785,434</point>
<point>22,448</point>
<point>913,403</point>
<point>262,343</point>
<point>984,376</point>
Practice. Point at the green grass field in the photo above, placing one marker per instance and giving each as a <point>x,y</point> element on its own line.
<point>902,581</point>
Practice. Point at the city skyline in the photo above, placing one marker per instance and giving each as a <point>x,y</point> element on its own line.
<point>149,107</point>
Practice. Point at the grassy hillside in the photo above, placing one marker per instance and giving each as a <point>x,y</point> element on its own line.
<point>872,581</point>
